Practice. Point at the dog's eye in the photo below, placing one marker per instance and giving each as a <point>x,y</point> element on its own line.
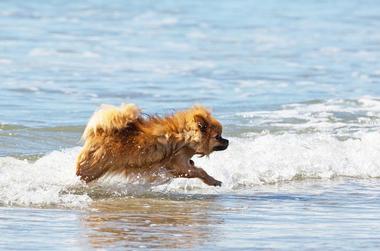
<point>202,127</point>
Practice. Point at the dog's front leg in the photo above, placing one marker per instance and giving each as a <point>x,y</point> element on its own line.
<point>188,170</point>
<point>198,172</point>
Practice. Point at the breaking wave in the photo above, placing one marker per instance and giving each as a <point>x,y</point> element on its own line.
<point>248,162</point>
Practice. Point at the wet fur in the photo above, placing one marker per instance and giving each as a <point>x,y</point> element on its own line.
<point>119,140</point>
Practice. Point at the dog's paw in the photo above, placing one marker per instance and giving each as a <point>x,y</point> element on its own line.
<point>217,183</point>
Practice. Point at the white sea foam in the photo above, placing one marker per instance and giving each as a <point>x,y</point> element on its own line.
<point>248,162</point>
<point>339,117</point>
<point>42,182</point>
<point>272,159</point>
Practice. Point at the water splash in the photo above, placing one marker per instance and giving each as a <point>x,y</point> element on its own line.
<point>247,163</point>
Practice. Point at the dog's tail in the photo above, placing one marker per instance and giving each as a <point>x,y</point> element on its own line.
<point>109,118</point>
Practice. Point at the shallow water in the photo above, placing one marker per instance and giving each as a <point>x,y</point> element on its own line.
<point>295,84</point>
<point>298,215</point>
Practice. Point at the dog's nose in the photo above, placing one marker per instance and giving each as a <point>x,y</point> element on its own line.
<point>223,144</point>
<point>226,142</point>
<point>223,140</point>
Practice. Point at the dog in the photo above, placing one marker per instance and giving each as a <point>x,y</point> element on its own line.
<point>121,140</point>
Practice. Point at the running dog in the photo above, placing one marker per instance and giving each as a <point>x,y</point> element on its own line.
<point>120,140</point>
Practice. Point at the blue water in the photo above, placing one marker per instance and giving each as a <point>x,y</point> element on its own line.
<point>296,85</point>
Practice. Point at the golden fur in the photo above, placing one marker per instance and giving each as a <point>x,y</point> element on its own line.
<point>119,140</point>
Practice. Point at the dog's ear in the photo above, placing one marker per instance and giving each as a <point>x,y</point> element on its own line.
<point>201,122</point>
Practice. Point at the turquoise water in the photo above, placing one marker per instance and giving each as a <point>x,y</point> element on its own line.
<point>296,85</point>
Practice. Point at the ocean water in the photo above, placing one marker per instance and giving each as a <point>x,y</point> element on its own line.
<point>296,85</point>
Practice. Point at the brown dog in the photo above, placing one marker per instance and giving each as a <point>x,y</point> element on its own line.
<point>120,140</point>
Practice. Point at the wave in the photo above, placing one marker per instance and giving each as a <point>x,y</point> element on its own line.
<point>41,182</point>
<point>247,163</point>
<point>340,117</point>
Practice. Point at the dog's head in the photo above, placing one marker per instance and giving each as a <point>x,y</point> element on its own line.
<point>206,132</point>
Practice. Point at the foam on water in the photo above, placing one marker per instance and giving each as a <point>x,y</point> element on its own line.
<point>276,158</point>
<point>247,163</point>
<point>340,117</point>
<point>41,182</point>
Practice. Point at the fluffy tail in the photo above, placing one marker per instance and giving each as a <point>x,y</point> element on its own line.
<point>95,158</point>
<point>109,118</point>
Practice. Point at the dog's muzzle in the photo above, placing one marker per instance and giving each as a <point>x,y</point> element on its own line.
<point>223,144</point>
